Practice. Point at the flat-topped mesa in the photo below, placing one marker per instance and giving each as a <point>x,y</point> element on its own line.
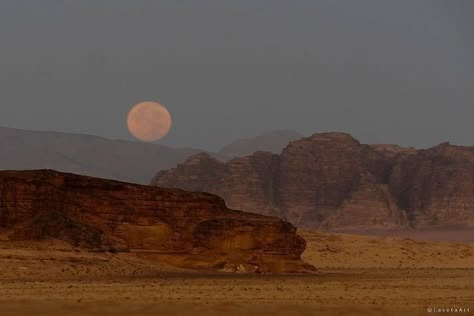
<point>187,229</point>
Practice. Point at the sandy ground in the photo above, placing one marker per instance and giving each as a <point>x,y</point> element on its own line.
<point>357,251</point>
<point>358,275</point>
<point>452,234</point>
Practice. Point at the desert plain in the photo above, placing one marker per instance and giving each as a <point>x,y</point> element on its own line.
<point>356,275</point>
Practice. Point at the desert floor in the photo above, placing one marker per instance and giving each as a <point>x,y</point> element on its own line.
<point>357,275</point>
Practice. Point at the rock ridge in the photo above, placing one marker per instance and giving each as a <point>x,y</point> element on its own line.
<point>332,181</point>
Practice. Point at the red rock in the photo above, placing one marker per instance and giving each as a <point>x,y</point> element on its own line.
<point>370,205</point>
<point>332,181</point>
<point>436,186</point>
<point>245,183</point>
<point>186,229</point>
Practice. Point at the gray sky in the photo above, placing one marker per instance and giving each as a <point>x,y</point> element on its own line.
<point>399,71</point>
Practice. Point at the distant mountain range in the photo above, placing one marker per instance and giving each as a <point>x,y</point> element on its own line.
<point>86,155</point>
<point>327,180</point>
<point>272,141</point>
<point>112,159</point>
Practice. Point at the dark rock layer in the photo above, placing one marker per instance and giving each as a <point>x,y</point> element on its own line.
<point>186,229</point>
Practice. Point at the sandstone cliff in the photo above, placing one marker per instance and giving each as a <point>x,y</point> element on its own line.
<point>332,181</point>
<point>436,186</point>
<point>186,229</point>
<point>244,183</point>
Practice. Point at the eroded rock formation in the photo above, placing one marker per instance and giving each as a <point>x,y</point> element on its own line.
<point>332,181</point>
<point>186,229</point>
<point>436,186</point>
<point>244,183</point>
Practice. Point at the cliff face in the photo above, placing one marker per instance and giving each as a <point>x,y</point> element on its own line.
<point>244,183</point>
<point>332,181</point>
<point>186,229</point>
<point>317,175</point>
<point>436,186</point>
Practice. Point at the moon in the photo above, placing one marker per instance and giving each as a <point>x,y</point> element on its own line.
<point>149,121</point>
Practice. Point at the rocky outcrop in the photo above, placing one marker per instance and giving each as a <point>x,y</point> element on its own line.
<point>436,186</point>
<point>186,229</point>
<point>332,181</point>
<point>370,205</point>
<point>245,183</point>
<point>317,174</point>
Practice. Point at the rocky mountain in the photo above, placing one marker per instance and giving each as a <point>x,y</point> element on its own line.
<point>436,186</point>
<point>194,230</point>
<point>86,155</point>
<point>332,181</point>
<point>273,141</point>
<point>245,183</point>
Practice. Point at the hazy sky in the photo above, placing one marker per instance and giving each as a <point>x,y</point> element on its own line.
<point>399,71</point>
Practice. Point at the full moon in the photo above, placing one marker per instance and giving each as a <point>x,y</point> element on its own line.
<point>149,121</point>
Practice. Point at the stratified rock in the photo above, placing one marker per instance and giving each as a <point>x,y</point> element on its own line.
<point>186,229</point>
<point>391,151</point>
<point>200,172</point>
<point>245,183</point>
<point>317,174</point>
<point>436,186</point>
<point>332,181</point>
<point>370,205</point>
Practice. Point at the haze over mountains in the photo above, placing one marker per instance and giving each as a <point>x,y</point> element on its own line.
<point>332,181</point>
<point>272,141</point>
<point>327,180</point>
<point>112,159</point>
<point>86,155</point>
